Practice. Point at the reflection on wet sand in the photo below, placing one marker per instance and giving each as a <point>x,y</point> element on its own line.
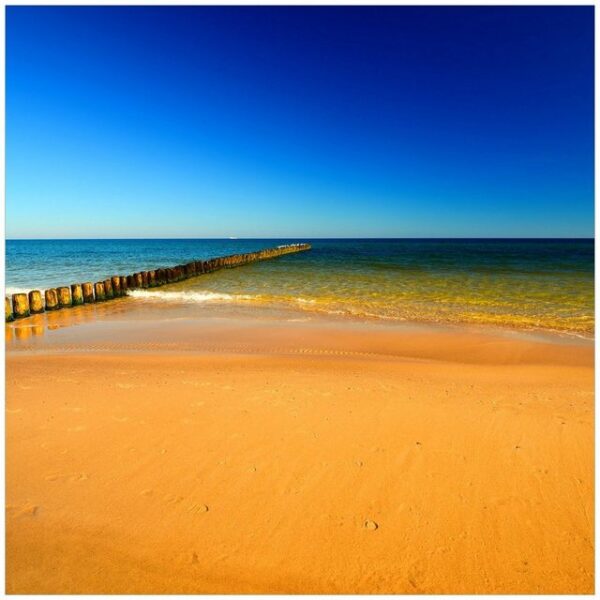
<point>36,325</point>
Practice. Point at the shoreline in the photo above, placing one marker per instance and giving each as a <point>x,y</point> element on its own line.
<point>127,309</point>
<point>172,332</point>
<point>151,452</point>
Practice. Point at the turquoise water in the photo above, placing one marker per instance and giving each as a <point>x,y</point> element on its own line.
<point>545,284</point>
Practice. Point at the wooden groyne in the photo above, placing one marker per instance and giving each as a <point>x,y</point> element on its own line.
<point>23,305</point>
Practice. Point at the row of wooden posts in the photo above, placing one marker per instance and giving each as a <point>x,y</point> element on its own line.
<point>23,305</point>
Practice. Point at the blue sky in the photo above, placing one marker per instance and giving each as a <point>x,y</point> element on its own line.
<point>299,122</point>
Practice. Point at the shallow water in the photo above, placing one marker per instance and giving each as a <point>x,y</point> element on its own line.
<point>545,284</point>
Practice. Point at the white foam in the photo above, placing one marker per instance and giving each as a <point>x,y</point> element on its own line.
<point>17,290</point>
<point>191,297</point>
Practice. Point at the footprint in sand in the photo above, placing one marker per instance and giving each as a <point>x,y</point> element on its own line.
<point>172,499</point>
<point>67,477</point>
<point>198,508</point>
<point>24,510</point>
<point>371,525</point>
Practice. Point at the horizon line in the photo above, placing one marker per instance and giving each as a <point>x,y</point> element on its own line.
<point>233,239</point>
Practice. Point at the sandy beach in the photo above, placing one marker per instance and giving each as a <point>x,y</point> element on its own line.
<point>228,456</point>
<point>299,299</point>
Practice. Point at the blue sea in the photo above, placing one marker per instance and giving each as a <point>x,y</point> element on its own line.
<point>530,284</point>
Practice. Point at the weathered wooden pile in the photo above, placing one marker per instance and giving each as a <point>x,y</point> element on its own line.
<point>23,305</point>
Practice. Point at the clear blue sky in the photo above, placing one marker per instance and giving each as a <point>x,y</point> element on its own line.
<point>299,121</point>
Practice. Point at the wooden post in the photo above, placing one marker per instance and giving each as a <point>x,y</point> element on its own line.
<point>190,269</point>
<point>179,273</point>
<point>130,282</point>
<point>64,297</point>
<point>99,290</point>
<point>161,276</point>
<point>36,305</point>
<point>8,311</point>
<point>138,280</point>
<point>116,285</point>
<point>152,279</point>
<point>108,289</point>
<point>77,294</point>
<point>51,298</point>
<point>144,275</point>
<point>20,304</point>
<point>88,292</point>
<point>123,285</point>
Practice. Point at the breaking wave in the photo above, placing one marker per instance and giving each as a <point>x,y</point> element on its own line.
<point>192,297</point>
<point>17,290</point>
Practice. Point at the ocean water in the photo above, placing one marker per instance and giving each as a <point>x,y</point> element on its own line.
<point>530,284</point>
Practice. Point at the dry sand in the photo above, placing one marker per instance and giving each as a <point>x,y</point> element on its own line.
<point>185,457</point>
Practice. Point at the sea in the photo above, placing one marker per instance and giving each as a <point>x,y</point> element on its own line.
<point>539,284</point>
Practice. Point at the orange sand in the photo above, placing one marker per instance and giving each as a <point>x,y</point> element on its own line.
<point>189,457</point>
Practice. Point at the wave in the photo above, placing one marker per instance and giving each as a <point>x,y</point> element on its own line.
<point>301,300</point>
<point>17,290</point>
<point>192,297</point>
<point>368,311</point>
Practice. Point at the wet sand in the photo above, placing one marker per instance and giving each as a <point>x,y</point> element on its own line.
<point>233,456</point>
